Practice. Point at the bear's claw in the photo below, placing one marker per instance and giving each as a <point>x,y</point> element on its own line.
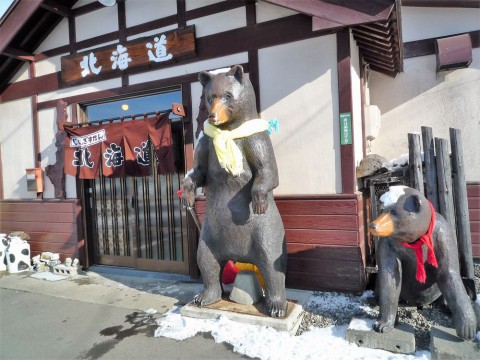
<point>206,298</point>
<point>382,326</point>
<point>277,309</point>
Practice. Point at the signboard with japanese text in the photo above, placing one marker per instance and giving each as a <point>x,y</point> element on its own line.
<point>345,128</point>
<point>118,59</point>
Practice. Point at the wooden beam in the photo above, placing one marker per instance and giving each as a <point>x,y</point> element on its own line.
<point>353,12</point>
<point>462,216</point>
<point>56,8</point>
<point>16,19</point>
<point>427,46</point>
<point>443,3</point>
<point>345,105</point>
<point>18,54</point>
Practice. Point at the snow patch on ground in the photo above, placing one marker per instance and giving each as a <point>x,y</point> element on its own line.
<point>268,344</point>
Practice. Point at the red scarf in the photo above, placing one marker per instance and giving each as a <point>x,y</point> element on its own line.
<point>417,246</point>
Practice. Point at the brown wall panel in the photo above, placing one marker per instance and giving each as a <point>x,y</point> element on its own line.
<point>316,207</point>
<point>320,222</point>
<point>30,226</point>
<point>322,252</point>
<point>474,214</point>
<point>323,241</point>
<point>321,237</point>
<point>51,224</point>
<point>37,206</point>
<point>473,195</point>
<point>37,217</point>
<point>318,281</point>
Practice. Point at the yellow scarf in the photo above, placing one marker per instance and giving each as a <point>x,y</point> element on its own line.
<point>229,155</point>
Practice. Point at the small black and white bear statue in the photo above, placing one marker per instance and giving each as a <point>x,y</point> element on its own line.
<point>241,222</point>
<point>417,260</point>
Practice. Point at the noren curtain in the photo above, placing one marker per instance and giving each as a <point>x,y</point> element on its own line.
<point>122,148</point>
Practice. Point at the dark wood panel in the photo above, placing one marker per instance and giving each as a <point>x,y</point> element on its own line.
<point>37,217</point>
<point>49,237</point>
<point>343,253</point>
<point>64,251</point>
<point>321,222</point>
<point>474,214</point>
<point>427,46</point>
<point>317,207</point>
<point>473,190</point>
<point>323,250</point>
<point>321,282</point>
<point>476,247</point>
<point>322,237</point>
<point>345,106</point>
<point>473,202</point>
<point>475,227</point>
<point>341,269</point>
<point>36,206</point>
<point>9,226</point>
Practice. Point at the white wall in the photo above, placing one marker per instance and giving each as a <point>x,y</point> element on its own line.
<point>424,23</point>
<point>266,12</point>
<point>16,140</point>
<point>420,97</point>
<point>298,86</point>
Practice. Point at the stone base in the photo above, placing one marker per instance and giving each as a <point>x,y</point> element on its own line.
<point>247,314</point>
<point>400,339</point>
<point>445,344</point>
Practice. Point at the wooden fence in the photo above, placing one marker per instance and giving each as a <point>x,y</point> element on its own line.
<point>443,183</point>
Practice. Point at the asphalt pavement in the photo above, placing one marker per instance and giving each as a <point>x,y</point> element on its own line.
<point>97,315</point>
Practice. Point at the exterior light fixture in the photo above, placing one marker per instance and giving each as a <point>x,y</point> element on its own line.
<point>125,107</point>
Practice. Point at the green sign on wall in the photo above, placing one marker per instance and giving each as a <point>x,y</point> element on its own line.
<point>345,128</point>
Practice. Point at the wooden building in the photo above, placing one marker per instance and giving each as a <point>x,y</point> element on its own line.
<point>319,67</point>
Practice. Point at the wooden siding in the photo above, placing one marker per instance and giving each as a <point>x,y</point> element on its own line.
<point>324,241</point>
<point>473,194</point>
<point>51,224</point>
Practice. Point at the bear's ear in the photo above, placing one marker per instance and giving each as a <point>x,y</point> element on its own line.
<point>237,72</point>
<point>413,204</point>
<point>204,77</point>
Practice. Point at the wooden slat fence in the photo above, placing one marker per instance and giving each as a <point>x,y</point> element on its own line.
<point>445,186</point>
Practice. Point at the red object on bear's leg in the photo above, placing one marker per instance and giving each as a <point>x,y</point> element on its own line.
<point>230,272</point>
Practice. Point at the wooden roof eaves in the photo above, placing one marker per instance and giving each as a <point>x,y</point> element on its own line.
<point>16,19</point>
<point>337,16</point>
<point>56,8</point>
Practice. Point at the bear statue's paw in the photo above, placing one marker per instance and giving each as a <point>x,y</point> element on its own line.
<point>383,326</point>
<point>207,298</point>
<point>466,327</point>
<point>259,202</point>
<point>276,308</point>
<point>189,187</point>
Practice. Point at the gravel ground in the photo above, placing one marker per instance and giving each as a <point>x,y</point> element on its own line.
<point>325,309</point>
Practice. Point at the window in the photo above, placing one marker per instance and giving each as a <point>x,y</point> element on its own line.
<point>133,106</point>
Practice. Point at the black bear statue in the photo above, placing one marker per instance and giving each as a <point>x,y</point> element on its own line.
<point>234,161</point>
<point>417,261</point>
